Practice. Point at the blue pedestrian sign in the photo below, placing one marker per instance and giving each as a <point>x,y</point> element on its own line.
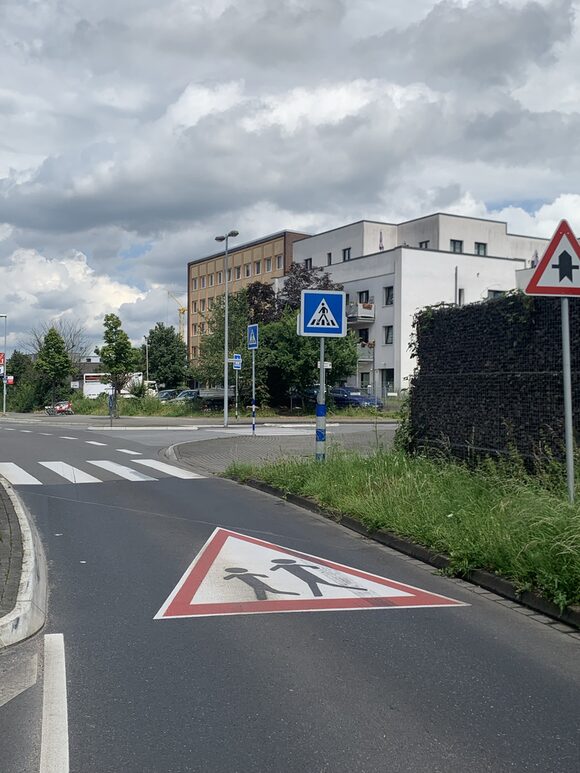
<point>252,337</point>
<point>323,313</point>
<point>237,361</point>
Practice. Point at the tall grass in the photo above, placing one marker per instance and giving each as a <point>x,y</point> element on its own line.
<point>494,518</point>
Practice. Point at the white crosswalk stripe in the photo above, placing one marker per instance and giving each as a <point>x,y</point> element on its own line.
<point>121,470</point>
<point>127,451</point>
<point>95,443</point>
<point>176,472</point>
<point>20,477</point>
<point>71,473</point>
<point>16,475</point>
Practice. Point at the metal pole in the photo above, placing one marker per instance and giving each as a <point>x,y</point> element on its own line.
<point>146,364</point>
<point>5,367</point>
<point>253,393</point>
<point>226,342</point>
<point>237,374</point>
<point>568,427</point>
<point>321,411</point>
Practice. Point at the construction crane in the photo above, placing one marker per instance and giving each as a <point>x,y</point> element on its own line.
<point>182,312</point>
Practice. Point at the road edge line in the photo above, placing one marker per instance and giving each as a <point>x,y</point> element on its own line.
<point>28,615</point>
<point>54,751</point>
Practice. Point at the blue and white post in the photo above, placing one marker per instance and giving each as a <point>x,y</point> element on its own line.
<point>253,393</point>
<point>321,410</point>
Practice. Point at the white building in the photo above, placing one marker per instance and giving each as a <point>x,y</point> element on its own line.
<point>391,271</point>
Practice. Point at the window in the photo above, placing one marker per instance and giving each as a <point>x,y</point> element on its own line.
<point>346,253</point>
<point>202,282</point>
<point>194,351</point>
<point>424,245</point>
<point>202,305</point>
<point>220,277</point>
<point>194,307</point>
<point>456,245</point>
<point>229,275</point>
<point>363,296</point>
<point>194,283</point>
<point>194,329</point>
<point>202,328</point>
<point>365,381</point>
<point>279,262</point>
<point>387,380</point>
<point>268,264</point>
<point>347,299</point>
<point>258,267</point>
<point>460,296</point>
<point>248,270</point>
<point>388,295</point>
<point>238,272</point>
<point>495,293</point>
<point>308,263</point>
<point>363,335</point>
<point>329,258</point>
<point>210,302</point>
<point>211,280</point>
<point>388,334</point>
<point>480,248</point>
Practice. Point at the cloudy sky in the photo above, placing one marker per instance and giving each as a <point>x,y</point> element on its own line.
<point>133,132</point>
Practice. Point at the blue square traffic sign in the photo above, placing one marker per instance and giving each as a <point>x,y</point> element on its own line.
<point>323,313</point>
<point>237,361</point>
<point>252,337</point>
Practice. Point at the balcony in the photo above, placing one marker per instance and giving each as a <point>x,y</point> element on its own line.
<point>364,352</point>
<point>360,313</point>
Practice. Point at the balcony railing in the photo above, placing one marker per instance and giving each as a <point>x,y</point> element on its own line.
<point>360,312</point>
<point>364,352</point>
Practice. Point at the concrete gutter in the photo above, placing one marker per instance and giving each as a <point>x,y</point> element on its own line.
<point>29,612</point>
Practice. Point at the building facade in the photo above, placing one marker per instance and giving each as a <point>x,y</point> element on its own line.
<point>263,260</point>
<point>391,271</point>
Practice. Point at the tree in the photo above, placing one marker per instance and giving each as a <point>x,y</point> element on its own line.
<point>22,395</point>
<point>262,303</point>
<point>53,363</point>
<point>167,355</point>
<point>72,332</point>
<point>117,353</point>
<point>301,278</point>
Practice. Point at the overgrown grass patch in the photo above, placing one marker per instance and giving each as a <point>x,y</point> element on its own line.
<point>496,519</point>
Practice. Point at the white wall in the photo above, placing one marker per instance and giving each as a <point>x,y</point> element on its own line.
<point>317,247</point>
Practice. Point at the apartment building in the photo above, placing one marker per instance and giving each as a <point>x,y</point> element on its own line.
<point>264,260</point>
<point>389,271</point>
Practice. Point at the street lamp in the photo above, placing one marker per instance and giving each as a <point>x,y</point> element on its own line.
<point>146,363</point>
<point>230,234</point>
<point>5,365</point>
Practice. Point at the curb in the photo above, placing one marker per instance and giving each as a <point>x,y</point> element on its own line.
<point>480,577</point>
<point>154,428</point>
<point>29,612</point>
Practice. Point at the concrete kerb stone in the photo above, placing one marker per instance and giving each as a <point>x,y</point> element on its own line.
<point>486,580</point>
<point>29,612</point>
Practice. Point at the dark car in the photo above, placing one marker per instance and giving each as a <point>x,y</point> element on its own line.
<point>167,394</point>
<point>186,394</point>
<point>351,397</point>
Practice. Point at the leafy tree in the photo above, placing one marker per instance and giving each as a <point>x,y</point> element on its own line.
<point>167,355</point>
<point>22,395</point>
<point>262,303</point>
<point>52,362</point>
<point>117,354</point>
<point>301,278</point>
<point>72,332</point>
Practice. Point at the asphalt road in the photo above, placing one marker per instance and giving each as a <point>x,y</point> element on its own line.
<point>475,687</point>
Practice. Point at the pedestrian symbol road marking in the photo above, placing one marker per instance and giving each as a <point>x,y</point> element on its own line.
<point>323,317</point>
<point>234,574</point>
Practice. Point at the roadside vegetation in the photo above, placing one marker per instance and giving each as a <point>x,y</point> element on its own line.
<point>496,517</point>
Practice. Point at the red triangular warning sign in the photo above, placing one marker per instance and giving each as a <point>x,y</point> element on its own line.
<point>234,574</point>
<point>558,272</point>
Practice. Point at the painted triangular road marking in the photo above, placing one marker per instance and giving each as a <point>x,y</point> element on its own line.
<point>323,317</point>
<point>234,574</point>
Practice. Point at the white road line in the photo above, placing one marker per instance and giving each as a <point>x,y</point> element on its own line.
<point>46,433</point>
<point>9,429</point>
<point>54,743</point>
<point>121,470</point>
<point>16,475</point>
<point>67,437</point>
<point>24,430</point>
<point>126,451</point>
<point>95,443</point>
<point>169,469</point>
<point>70,473</point>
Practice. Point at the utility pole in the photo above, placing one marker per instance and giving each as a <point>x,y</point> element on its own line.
<point>230,234</point>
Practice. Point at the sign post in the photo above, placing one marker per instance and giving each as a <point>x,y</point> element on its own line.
<point>558,275</point>
<point>322,314</point>
<point>253,337</point>
<point>237,361</point>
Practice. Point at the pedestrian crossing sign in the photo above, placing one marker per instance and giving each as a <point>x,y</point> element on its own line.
<point>323,313</point>
<point>252,337</point>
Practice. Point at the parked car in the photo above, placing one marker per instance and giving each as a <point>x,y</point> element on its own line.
<point>351,397</point>
<point>63,407</point>
<point>186,394</point>
<point>167,394</point>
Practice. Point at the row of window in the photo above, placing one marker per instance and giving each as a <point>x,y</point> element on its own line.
<point>210,279</point>
<point>346,255</point>
<point>364,297</point>
<point>363,335</point>
<point>456,245</point>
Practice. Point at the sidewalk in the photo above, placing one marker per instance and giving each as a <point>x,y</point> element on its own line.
<point>214,456</point>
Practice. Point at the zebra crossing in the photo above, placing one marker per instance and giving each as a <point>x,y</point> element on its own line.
<point>60,472</point>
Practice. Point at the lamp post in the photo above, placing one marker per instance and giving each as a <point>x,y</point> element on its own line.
<point>5,366</point>
<point>146,363</point>
<point>230,234</point>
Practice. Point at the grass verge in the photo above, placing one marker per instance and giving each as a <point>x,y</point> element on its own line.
<point>494,519</point>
